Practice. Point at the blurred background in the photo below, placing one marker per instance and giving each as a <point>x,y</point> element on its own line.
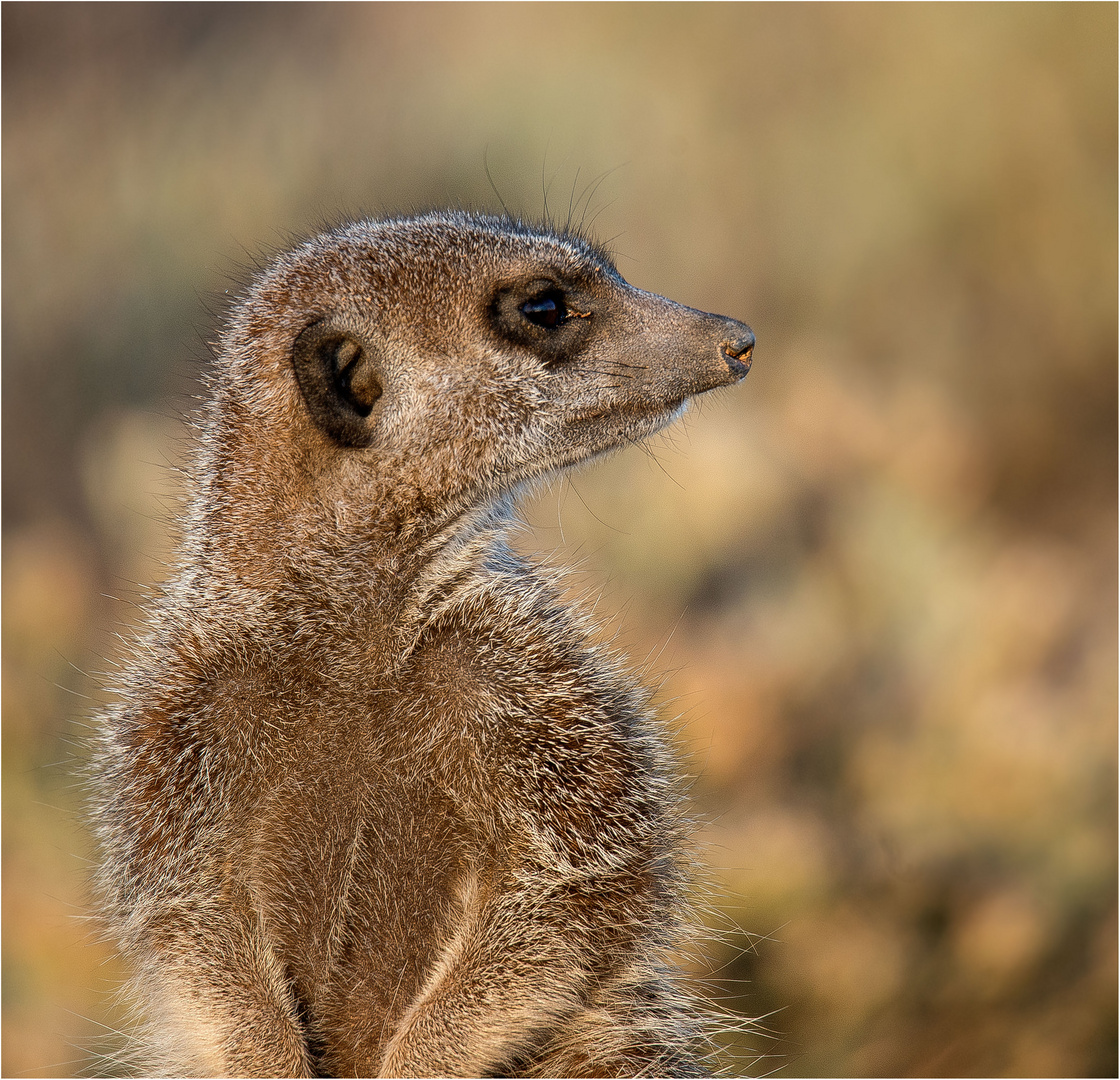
<point>878,579</point>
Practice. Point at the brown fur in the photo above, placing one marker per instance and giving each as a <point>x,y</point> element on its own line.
<point>375,801</point>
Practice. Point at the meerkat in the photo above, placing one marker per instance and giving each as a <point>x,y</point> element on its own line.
<point>375,800</point>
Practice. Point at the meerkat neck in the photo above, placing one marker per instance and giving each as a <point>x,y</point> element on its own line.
<point>358,569</point>
<point>264,518</point>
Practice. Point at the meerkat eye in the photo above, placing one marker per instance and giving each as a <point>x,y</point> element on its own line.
<point>547,310</point>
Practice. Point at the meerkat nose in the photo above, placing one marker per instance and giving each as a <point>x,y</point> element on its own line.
<point>737,350</point>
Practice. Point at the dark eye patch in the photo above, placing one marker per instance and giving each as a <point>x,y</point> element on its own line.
<point>547,310</point>
<point>549,315</point>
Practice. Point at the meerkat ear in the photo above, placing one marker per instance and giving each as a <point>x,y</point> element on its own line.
<point>340,379</point>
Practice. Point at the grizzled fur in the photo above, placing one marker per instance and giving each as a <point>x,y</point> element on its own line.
<point>374,800</point>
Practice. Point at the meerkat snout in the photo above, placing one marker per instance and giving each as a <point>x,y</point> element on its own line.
<point>376,800</point>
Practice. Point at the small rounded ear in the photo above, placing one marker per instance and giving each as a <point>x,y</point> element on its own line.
<point>340,379</point>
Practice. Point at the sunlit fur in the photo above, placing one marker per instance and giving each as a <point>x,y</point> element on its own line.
<point>374,800</point>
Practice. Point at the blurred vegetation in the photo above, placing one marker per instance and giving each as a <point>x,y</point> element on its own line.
<point>881,575</point>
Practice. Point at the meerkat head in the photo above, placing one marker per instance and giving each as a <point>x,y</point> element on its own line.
<point>436,362</point>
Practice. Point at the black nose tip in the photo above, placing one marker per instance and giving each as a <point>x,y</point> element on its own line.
<point>738,350</point>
